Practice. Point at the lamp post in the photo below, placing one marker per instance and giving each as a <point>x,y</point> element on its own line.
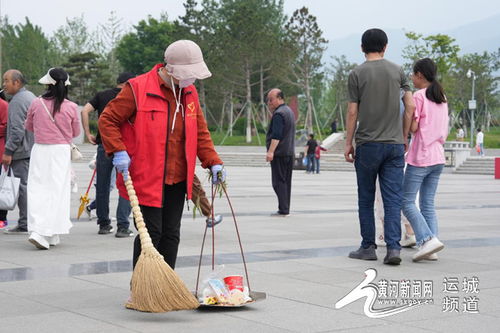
<point>472,105</point>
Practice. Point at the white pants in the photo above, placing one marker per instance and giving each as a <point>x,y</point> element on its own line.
<point>49,189</point>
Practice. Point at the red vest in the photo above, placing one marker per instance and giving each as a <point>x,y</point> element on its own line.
<point>146,138</point>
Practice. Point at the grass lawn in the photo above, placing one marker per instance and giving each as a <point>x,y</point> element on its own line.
<point>491,138</point>
<point>237,140</point>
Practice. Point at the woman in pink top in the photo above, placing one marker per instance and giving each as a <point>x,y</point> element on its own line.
<point>55,122</point>
<point>425,158</point>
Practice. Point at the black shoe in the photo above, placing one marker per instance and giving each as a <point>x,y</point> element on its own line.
<point>364,254</point>
<point>124,232</point>
<point>16,231</point>
<point>105,229</point>
<point>392,257</point>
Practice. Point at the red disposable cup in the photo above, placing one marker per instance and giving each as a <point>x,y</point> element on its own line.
<point>234,282</point>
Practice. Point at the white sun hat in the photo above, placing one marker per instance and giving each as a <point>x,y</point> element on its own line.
<point>55,74</point>
<point>184,60</point>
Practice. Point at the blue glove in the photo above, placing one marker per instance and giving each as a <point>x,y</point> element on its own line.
<point>121,161</point>
<point>218,174</point>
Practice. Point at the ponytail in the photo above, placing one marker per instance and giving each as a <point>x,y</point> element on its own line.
<point>58,91</point>
<point>428,69</point>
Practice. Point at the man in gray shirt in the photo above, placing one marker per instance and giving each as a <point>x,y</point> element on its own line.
<point>19,141</point>
<point>381,140</point>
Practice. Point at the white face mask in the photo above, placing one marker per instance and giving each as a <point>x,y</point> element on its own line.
<point>186,83</point>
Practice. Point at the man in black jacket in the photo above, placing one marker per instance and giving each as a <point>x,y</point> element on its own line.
<point>280,144</point>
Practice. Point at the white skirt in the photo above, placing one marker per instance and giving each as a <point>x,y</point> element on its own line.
<point>49,189</point>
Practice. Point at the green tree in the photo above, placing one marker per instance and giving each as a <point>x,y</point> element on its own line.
<point>26,48</point>
<point>74,38</point>
<point>440,48</point>
<point>87,74</point>
<point>304,32</point>
<point>139,50</point>
<point>459,90</point>
<point>110,34</point>
<point>335,94</point>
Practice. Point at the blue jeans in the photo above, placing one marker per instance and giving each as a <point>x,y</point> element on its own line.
<point>425,180</point>
<point>104,165</point>
<point>310,163</point>
<point>316,160</point>
<point>387,162</point>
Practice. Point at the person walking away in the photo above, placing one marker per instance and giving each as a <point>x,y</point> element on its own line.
<point>381,136</point>
<point>460,134</point>
<point>18,142</point>
<point>155,130</point>
<point>480,142</point>
<point>54,121</point>
<point>425,158</point>
<point>280,145</point>
<point>334,126</point>
<point>310,150</point>
<point>317,155</point>
<point>3,129</point>
<point>104,166</point>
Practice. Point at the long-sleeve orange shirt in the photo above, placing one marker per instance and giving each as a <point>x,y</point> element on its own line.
<point>123,108</point>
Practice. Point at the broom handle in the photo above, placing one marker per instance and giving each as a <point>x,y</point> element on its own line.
<point>146,242</point>
<point>91,180</point>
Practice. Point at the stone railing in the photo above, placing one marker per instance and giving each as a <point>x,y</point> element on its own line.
<point>456,152</point>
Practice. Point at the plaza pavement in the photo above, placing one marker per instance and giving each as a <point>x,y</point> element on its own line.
<point>300,262</point>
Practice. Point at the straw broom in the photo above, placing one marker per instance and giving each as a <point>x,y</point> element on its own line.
<point>155,285</point>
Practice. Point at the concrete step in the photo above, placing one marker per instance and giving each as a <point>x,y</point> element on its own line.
<point>478,166</point>
<point>474,172</point>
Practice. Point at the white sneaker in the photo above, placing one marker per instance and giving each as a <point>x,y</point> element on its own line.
<point>433,245</point>
<point>54,240</point>
<point>408,241</point>
<point>39,241</point>
<point>432,257</point>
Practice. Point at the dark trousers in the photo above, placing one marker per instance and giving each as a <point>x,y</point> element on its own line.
<point>20,168</point>
<point>281,171</point>
<point>104,166</point>
<point>385,161</point>
<point>164,224</point>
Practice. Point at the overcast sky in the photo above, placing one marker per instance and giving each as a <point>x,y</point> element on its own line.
<point>336,18</point>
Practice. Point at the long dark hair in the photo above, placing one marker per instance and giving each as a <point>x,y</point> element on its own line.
<point>428,69</point>
<point>59,90</point>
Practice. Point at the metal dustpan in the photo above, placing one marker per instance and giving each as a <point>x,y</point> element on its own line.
<point>254,295</point>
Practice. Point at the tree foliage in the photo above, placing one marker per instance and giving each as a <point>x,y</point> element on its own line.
<point>139,50</point>
<point>26,48</point>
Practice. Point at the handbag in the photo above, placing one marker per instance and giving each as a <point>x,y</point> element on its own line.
<point>9,189</point>
<point>76,154</point>
<point>478,148</point>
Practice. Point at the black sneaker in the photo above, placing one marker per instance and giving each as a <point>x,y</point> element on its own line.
<point>124,232</point>
<point>392,257</point>
<point>105,229</point>
<point>16,231</point>
<point>364,254</point>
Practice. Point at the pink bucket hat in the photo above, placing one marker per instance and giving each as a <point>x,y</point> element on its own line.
<point>185,61</point>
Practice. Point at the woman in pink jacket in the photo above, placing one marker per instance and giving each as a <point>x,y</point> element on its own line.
<point>55,122</point>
